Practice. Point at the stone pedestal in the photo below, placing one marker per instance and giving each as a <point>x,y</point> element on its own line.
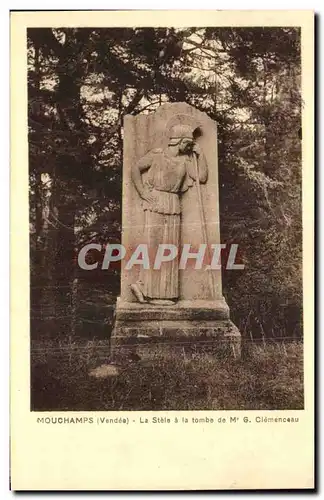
<point>201,314</point>
<point>199,322</point>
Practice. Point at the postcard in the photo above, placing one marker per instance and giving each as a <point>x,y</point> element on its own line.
<point>162,250</point>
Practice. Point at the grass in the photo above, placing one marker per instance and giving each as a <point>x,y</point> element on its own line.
<point>268,377</point>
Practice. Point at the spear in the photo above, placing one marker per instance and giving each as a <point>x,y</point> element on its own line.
<point>204,227</point>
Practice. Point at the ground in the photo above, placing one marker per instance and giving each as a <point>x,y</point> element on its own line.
<point>268,377</point>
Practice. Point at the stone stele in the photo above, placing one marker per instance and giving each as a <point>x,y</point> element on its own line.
<point>171,304</point>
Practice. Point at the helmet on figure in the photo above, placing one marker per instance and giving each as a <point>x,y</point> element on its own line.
<point>182,136</point>
<point>181,132</point>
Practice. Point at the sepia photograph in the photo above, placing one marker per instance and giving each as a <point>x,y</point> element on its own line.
<point>165,216</point>
<point>162,250</point>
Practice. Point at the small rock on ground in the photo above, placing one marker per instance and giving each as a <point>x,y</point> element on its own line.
<point>104,371</point>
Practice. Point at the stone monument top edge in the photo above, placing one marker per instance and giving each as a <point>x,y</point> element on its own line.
<point>173,109</point>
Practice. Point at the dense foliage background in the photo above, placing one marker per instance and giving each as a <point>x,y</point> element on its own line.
<point>81,82</point>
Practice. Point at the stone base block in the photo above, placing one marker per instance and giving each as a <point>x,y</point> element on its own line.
<point>203,325</point>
